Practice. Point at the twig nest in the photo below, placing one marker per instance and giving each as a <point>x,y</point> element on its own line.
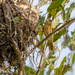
<point>18,20</point>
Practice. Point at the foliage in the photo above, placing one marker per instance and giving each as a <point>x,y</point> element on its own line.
<point>59,34</point>
<point>70,41</point>
<point>73,59</point>
<point>66,15</point>
<point>41,38</point>
<point>42,72</point>
<point>62,69</point>
<point>29,70</point>
<point>41,20</point>
<point>55,7</point>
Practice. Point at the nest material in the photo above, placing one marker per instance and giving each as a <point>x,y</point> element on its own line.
<point>23,32</point>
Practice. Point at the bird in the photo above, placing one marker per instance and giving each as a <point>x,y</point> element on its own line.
<point>47,29</point>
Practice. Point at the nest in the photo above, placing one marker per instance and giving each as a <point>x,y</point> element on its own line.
<point>18,21</point>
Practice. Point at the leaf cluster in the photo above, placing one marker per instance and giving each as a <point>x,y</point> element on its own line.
<point>55,7</point>
<point>62,69</point>
<point>66,15</point>
<point>29,70</point>
<point>70,41</point>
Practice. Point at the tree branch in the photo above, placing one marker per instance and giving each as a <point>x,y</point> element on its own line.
<point>64,25</point>
<point>44,50</point>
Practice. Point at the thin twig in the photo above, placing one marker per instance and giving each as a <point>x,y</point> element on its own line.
<point>4,10</point>
<point>34,59</point>
<point>57,60</point>
<point>44,50</point>
<point>6,67</point>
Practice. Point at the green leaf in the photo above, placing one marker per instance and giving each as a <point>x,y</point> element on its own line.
<point>72,5</point>
<point>51,54</point>
<point>40,30</point>
<point>29,70</point>
<point>65,69</point>
<point>44,62</point>
<point>61,70</point>
<point>66,41</point>
<point>69,42</point>
<point>47,61</point>
<point>41,20</point>
<point>58,35</point>
<point>42,72</point>
<point>17,19</point>
<point>72,43</point>
<point>57,26</point>
<point>41,11</point>
<point>73,32</point>
<point>73,59</point>
<point>40,33</point>
<point>49,15</point>
<point>62,63</point>
<point>67,14</point>
<point>55,11</point>
<point>41,38</point>
<point>55,5</point>
<point>51,66</point>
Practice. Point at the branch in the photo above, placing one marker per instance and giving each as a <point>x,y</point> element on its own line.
<point>37,73</point>
<point>18,53</point>
<point>64,25</point>
<point>57,60</point>
<point>15,46</point>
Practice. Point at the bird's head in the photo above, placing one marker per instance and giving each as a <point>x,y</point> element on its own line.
<point>48,20</point>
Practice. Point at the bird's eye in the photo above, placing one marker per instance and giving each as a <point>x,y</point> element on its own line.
<point>48,20</point>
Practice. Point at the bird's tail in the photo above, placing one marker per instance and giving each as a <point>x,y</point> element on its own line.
<point>50,43</point>
<point>51,47</point>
